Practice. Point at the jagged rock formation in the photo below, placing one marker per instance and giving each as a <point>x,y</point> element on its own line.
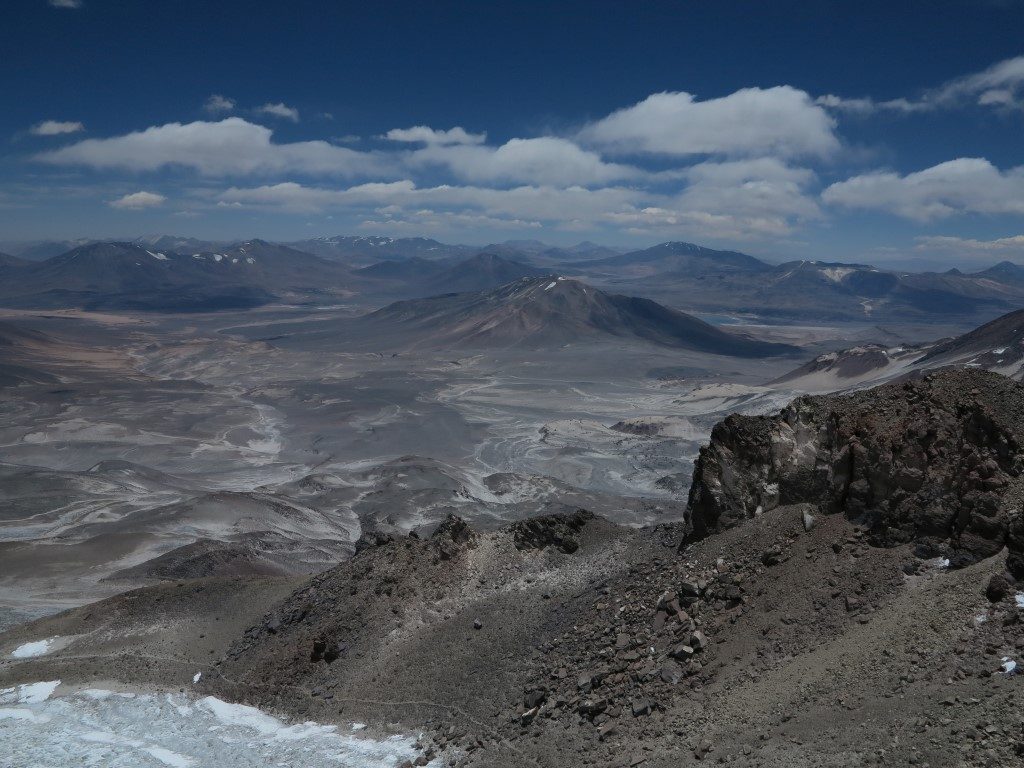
<point>558,531</point>
<point>936,461</point>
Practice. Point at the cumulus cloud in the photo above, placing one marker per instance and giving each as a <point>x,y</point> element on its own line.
<point>56,128</point>
<point>137,201</point>
<point>763,196</point>
<point>739,199</point>
<point>737,173</point>
<point>1001,248</point>
<point>232,146</point>
<point>545,160</point>
<point>280,110</point>
<point>1001,85</point>
<point>217,104</point>
<point>781,121</point>
<point>964,185</point>
<point>422,134</point>
<point>534,203</point>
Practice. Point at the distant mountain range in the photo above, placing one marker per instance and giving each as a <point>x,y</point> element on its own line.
<point>375,270</point>
<point>364,251</point>
<point>131,276</point>
<point>705,280</point>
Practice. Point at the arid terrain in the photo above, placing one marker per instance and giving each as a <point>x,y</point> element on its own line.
<point>548,384</point>
<point>504,537</point>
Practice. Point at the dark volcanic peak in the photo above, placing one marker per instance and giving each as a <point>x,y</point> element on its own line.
<point>1004,271</point>
<point>480,272</point>
<point>679,257</point>
<point>554,311</point>
<point>6,260</point>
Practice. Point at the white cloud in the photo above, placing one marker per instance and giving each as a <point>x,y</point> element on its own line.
<point>1001,248</point>
<point>964,185</point>
<point>545,160</point>
<point>425,135</point>
<point>781,121</point>
<point>1001,85</point>
<point>994,85</point>
<point>217,104</point>
<point>865,105</point>
<point>232,146</point>
<point>280,110</point>
<point>66,3</point>
<point>137,201</point>
<point>737,200</point>
<point>56,128</point>
<point>535,203</point>
<point>757,197</point>
<point>742,200</point>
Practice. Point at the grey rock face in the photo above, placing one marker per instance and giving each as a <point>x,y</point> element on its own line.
<point>937,461</point>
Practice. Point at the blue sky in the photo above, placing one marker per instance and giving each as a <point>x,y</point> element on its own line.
<point>880,132</point>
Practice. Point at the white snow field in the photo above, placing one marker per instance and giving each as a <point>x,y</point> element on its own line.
<point>133,730</point>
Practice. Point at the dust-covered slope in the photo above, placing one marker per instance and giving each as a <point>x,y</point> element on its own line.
<point>550,311</point>
<point>7,261</point>
<point>23,354</point>
<point>996,345</point>
<point>852,367</point>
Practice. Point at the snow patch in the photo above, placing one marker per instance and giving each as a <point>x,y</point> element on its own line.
<point>835,274</point>
<point>21,714</point>
<point>105,728</point>
<point>157,256</point>
<point>30,650</point>
<point>29,693</point>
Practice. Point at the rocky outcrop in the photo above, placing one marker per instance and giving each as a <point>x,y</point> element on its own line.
<point>936,461</point>
<point>558,531</point>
